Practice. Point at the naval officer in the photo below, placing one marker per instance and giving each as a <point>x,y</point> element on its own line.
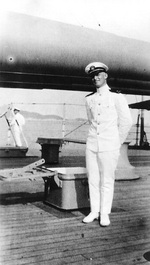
<point>17,124</point>
<point>110,121</point>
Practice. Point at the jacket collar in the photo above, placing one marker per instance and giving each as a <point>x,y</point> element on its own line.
<point>103,90</point>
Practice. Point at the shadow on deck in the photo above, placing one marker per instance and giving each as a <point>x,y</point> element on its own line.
<point>34,233</point>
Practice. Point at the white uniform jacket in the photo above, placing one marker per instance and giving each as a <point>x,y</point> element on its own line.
<point>17,122</point>
<point>110,120</point>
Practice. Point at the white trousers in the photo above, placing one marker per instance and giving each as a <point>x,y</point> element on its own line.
<point>17,136</point>
<point>101,168</point>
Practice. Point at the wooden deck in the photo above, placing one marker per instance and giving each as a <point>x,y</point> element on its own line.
<point>34,233</point>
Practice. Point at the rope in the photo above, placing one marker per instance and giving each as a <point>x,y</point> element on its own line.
<point>76,128</point>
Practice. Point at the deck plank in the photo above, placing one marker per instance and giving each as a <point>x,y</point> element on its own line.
<point>36,234</point>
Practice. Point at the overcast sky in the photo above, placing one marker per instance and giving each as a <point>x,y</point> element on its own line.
<point>124,17</point>
<point>128,18</point>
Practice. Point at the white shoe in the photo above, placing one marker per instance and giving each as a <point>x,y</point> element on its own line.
<point>104,220</point>
<point>90,218</point>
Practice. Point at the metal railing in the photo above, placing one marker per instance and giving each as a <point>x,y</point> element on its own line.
<point>60,120</point>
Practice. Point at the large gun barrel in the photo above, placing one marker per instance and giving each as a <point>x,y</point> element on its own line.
<point>40,53</point>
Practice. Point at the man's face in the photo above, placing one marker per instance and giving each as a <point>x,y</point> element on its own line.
<point>16,111</point>
<point>99,79</point>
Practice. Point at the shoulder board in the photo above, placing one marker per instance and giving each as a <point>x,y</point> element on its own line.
<point>115,92</point>
<point>90,94</point>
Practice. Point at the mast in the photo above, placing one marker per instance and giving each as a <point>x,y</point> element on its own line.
<point>142,133</point>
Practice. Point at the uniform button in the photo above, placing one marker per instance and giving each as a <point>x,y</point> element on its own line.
<point>98,113</point>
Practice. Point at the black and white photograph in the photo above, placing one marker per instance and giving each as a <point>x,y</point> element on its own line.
<point>74,132</point>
